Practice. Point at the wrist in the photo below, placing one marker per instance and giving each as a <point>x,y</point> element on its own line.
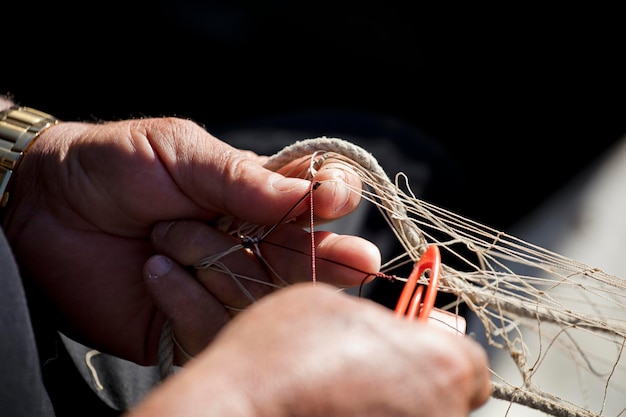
<point>19,128</point>
<point>197,387</point>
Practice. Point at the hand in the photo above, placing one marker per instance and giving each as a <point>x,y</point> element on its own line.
<point>198,307</point>
<point>86,197</point>
<point>309,350</point>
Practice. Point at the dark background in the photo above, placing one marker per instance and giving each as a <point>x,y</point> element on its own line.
<point>521,98</point>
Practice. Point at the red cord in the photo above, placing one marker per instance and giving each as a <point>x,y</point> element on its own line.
<point>314,185</point>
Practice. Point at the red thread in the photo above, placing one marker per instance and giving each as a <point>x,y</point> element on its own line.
<point>314,186</point>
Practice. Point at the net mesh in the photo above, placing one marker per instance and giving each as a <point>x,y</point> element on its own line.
<point>530,306</point>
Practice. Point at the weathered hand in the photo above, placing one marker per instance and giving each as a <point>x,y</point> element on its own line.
<point>199,306</point>
<point>308,350</point>
<point>85,199</point>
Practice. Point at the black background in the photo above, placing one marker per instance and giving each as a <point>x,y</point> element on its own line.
<point>522,98</point>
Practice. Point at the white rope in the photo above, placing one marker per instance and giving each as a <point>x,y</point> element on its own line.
<point>558,300</point>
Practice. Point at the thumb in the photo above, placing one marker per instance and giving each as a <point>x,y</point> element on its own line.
<point>257,195</point>
<point>195,315</point>
<point>225,180</point>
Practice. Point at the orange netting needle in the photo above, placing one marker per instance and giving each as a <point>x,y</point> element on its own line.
<point>412,298</point>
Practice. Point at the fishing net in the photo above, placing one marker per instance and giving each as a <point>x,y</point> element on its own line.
<point>536,309</point>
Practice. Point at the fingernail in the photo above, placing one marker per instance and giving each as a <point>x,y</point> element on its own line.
<point>157,266</point>
<point>341,194</point>
<point>161,229</point>
<point>287,184</point>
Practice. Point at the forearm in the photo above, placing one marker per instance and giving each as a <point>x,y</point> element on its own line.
<point>209,391</point>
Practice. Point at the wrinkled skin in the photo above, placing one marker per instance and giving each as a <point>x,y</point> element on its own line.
<point>86,197</point>
<point>309,350</point>
<point>91,204</point>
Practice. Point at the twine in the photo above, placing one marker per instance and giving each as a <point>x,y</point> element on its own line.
<point>500,298</point>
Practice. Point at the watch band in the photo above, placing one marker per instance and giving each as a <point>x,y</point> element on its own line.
<point>19,126</point>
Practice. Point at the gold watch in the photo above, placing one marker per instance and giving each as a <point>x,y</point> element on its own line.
<point>19,126</point>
